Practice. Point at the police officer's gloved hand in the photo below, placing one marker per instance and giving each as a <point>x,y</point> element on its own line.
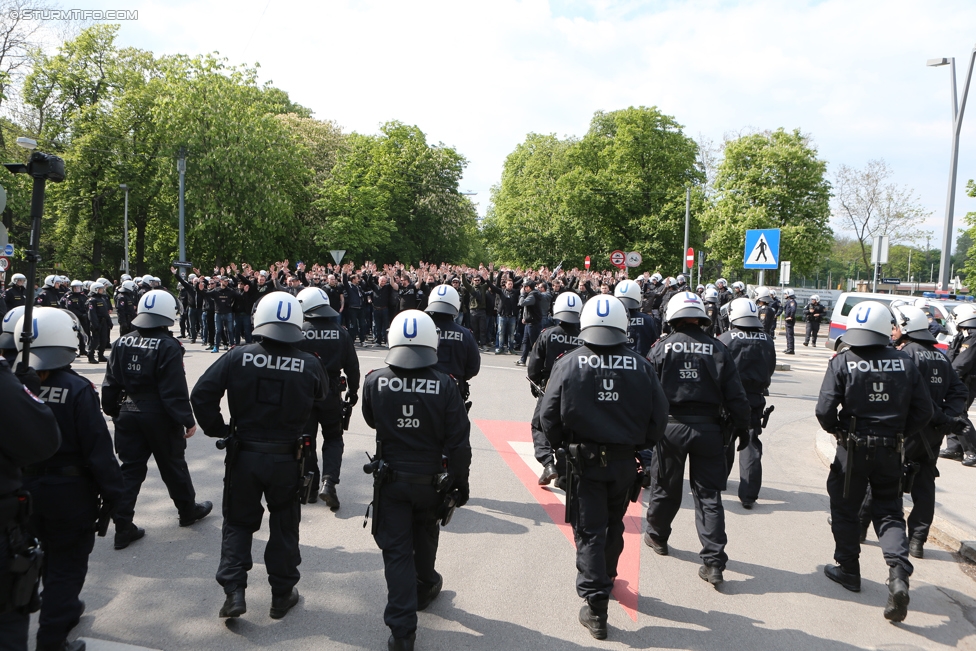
<point>464,492</point>
<point>959,423</point>
<point>29,379</point>
<point>742,434</point>
<point>352,399</point>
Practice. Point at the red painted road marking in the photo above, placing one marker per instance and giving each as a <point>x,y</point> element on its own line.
<point>502,434</point>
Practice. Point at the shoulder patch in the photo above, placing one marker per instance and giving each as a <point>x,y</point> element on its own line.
<point>33,397</point>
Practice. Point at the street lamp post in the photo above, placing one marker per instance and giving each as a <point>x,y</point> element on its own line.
<point>958,110</point>
<point>181,168</point>
<point>125,187</point>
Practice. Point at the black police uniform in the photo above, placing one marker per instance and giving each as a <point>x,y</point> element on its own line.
<point>29,435</point>
<point>77,304</point>
<point>699,378</point>
<point>789,318</point>
<point>550,346</point>
<point>333,346</point>
<point>949,397</point>
<point>14,296</point>
<point>126,306</point>
<point>457,352</point>
<point>642,331</point>
<point>608,400</point>
<point>47,298</point>
<point>714,313</point>
<point>65,489</point>
<point>271,387</point>
<point>100,323</point>
<point>884,391</point>
<point>150,418</point>
<point>813,313</point>
<point>419,416</point>
<point>767,316</point>
<point>963,358</point>
<point>755,359</point>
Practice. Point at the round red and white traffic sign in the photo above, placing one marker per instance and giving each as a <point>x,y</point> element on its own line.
<point>586,263</point>
<point>690,258</point>
<point>4,264</point>
<point>617,258</point>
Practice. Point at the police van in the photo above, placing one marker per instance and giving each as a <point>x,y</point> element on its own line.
<point>938,308</point>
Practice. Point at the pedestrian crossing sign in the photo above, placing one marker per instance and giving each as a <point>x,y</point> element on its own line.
<point>762,249</point>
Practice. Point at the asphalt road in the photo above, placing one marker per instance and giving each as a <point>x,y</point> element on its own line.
<point>509,569</point>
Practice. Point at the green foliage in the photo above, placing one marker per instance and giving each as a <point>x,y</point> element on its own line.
<point>966,263</point>
<point>771,180</point>
<point>621,186</point>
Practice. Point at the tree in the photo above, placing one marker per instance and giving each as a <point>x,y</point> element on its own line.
<point>771,179</point>
<point>868,206</point>
<point>967,263</point>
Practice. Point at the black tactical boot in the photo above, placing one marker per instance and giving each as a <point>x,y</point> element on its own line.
<point>198,512</point>
<point>548,474</point>
<point>126,533</point>
<point>77,645</point>
<point>711,573</point>
<point>427,593</point>
<point>328,493</point>
<point>593,615</point>
<point>660,547</point>
<point>897,606</point>
<point>401,643</point>
<point>281,605</point>
<point>838,574</point>
<point>234,604</point>
<point>916,548</point>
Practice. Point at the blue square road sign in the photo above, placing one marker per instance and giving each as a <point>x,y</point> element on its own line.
<point>762,249</point>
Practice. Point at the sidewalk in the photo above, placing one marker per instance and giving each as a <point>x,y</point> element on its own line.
<point>955,516</point>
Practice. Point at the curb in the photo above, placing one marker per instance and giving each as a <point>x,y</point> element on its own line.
<point>944,532</point>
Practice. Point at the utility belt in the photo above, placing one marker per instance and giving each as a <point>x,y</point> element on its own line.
<point>441,481</point>
<point>269,447</point>
<point>871,441</point>
<point>687,419</point>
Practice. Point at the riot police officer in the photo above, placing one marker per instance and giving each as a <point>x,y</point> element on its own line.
<point>65,488</point>
<point>16,294</point>
<point>100,322</point>
<point>700,380</point>
<point>8,338</point>
<point>961,446</point>
<point>145,393</point>
<point>331,343</point>
<point>550,346</point>
<point>654,290</point>
<point>642,330</point>
<point>789,318</point>
<point>126,305</point>
<point>76,302</point>
<point>713,311</point>
<point>457,350</point>
<point>724,293</point>
<point>912,334</point>
<point>602,404</point>
<point>49,293</point>
<point>418,415</point>
<point>882,398</point>
<point>766,311</point>
<point>29,435</point>
<point>271,387</point>
<point>755,359</point>
<point>813,313</point>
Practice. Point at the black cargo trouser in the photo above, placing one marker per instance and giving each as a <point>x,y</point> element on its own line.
<point>407,533</point>
<point>600,501</point>
<point>702,445</point>
<point>881,469</point>
<point>275,477</point>
<point>790,338</point>
<point>139,435</point>
<point>328,414</point>
<point>64,515</point>
<point>543,449</point>
<point>965,441</point>
<point>750,457</point>
<point>813,329</point>
<point>14,624</point>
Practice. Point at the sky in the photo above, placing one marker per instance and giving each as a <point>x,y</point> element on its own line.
<point>479,76</point>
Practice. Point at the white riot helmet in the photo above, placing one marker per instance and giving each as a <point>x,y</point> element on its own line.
<point>669,281</point>
<point>656,278</point>
<point>279,317</point>
<point>868,324</point>
<point>315,303</point>
<point>567,307</point>
<point>9,321</point>
<point>687,305</point>
<point>129,286</point>
<point>721,283</point>
<point>49,282</point>
<point>739,286</point>
<point>18,278</point>
<point>681,279</point>
<point>604,321</point>
<point>444,299</point>
<point>126,277</point>
<point>815,297</point>
<point>105,281</point>
<point>788,292</point>
<point>413,340</point>
<point>743,313</point>
<point>762,294</point>
<point>913,322</point>
<point>964,316</point>
<point>700,288</point>
<point>629,294</point>
<point>710,295</point>
<point>94,287</point>
<point>54,342</point>
<point>157,309</point>
<point>77,283</point>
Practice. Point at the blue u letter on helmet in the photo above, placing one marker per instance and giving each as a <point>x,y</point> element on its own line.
<point>606,304</point>
<point>866,314</point>
<point>151,301</point>
<point>407,334</point>
<point>287,315</point>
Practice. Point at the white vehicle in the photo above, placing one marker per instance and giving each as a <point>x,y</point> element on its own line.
<point>938,308</point>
